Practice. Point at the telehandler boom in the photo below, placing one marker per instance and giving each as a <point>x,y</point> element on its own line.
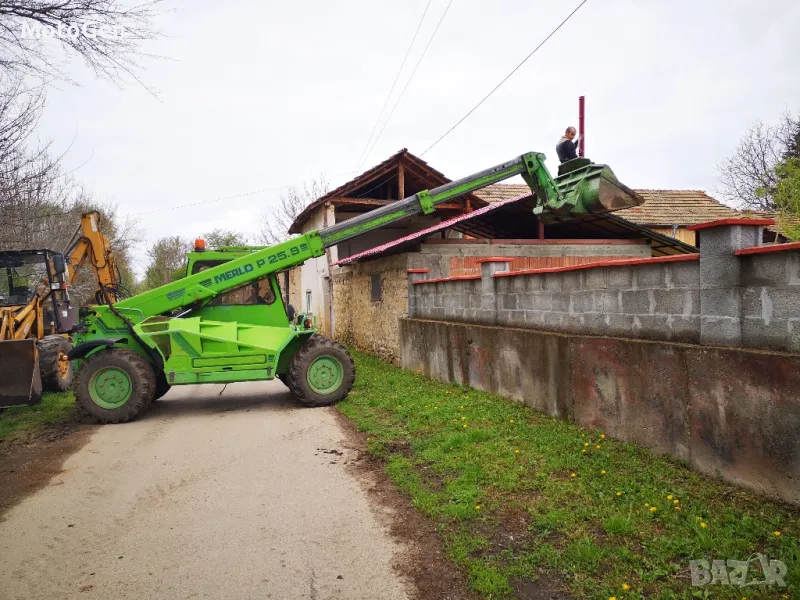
<point>228,323</point>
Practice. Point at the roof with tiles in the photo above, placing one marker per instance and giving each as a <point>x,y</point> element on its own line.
<point>660,208</point>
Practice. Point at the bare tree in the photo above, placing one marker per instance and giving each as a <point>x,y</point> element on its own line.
<point>748,178</point>
<point>275,225</point>
<point>105,34</point>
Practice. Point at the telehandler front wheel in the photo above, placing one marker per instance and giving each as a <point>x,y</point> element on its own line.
<point>54,366</point>
<point>321,373</point>
<point>114,385</point>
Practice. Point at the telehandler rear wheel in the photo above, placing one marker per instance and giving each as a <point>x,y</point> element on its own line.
<point>114,385</point>
<point>321,373</point>
<point>54,366</point>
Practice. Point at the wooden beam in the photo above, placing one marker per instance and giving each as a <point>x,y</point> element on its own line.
<point>338,201</point>
<point>401,181</point>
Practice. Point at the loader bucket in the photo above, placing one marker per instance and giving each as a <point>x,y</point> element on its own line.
<point>20,381</point>
<point>588,188</point>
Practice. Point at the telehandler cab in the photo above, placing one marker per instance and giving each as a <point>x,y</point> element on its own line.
<point>227,322</point>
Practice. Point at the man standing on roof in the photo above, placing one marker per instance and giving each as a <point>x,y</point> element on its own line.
<point>566,147</point>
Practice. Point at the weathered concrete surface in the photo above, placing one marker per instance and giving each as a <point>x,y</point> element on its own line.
<point>206,496</point>
<point>730,412</point>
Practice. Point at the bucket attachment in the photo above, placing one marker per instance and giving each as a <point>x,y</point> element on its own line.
<point>20,380</point>
<point>587,188</point>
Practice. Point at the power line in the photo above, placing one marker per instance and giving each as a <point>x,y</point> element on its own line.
<point>400,97</point>
<point>506,78</point>
<point>394,83</point>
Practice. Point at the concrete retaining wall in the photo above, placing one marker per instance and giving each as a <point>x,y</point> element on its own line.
<point>731,413</point>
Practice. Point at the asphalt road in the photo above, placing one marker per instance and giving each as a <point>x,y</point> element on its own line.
<point>242,495</point>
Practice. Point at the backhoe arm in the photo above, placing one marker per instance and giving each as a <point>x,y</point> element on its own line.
<point>91,245</point>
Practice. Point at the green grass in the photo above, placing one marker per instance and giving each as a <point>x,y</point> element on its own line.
<point>52,409</point>
<point>518,495</point>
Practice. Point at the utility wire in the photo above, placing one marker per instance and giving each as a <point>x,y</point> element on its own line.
<point>394,83</point>
<point>506,78</point>
<point>400,97</point>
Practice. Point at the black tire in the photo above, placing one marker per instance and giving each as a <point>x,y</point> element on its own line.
<point>142,382</point>
<point>297,376</point>
<point>162,385</point>
<point>51,350</point>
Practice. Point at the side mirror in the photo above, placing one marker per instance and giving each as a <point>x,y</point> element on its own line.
<point>59,264</point>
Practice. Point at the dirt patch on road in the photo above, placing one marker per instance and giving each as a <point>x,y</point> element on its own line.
<point>28,462</point>
<point>424,563</point>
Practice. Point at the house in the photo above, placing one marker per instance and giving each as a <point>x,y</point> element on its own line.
<point>399,176</point>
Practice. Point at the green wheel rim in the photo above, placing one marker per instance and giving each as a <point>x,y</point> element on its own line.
<point>110,387</point>
<point>325,374</point>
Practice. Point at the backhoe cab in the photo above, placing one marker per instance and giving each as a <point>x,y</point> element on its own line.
<point>227,322</point>
<point>35,308</point>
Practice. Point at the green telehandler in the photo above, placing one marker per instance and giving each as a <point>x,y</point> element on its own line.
<point>226,322</point>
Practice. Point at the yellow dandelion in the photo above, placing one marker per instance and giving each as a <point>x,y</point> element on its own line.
<point>646,504</point>
<point>777,534</point>
<point>653,509</point>
<point>703,525</point>
<point>626,587</point>
<point>619,493</point>
<point>602,472</point>
<point>612,598</point>
<point>602,436</point>
<point>597,446</point>
<point>511,421</point>
<point>516,451</point>
<point>462,406</point>
<point>463,418</point>
<point>465,425</point>
<point>676,507</point>
<point>477,507</point>
<point>698,519</point>
<point>676,501</point>
<point>573,475</point>
<point>586,444</point>
<point>669,497</point>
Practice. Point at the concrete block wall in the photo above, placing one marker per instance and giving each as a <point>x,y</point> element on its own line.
<point>734,293</point>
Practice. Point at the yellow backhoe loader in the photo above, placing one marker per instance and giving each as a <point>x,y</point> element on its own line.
<point>37,315</point>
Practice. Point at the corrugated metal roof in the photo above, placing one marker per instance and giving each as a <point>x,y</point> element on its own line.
<point>660,208</point>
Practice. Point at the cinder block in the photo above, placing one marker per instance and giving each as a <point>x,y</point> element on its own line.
<point>525,301</point>
<point>649,276</point>
<point>560,302</point>
<point>486,317</point>
<point>720,331</point>
<point>607,302</point>
<point>721,303</point>
<point>507,301</point>
<point>752,304</point>
<point>504,285</point>
<point>595,279</point>
<point>678,302</point>
<point>534,318</point>
<point>793,344</point>
<point>571,281</point>
<point>533,283</point>
<point>582,302</point>
<point>552,282</point>
<point>681,275</point>
<point>765,269</point>
<point>725,241</point>
<point>785,302</point>
<point>517,284</point>
<point>684,329</point>
<point>635,302</point>
<point>620,325</point>
<point>542,302</point>
<point>553,320</point>
<point>488,285</point>
<point>719,272</point>
<point>620,278</point>
<point>653,327</point>
<point>488,302</point>
<point>757,334</point>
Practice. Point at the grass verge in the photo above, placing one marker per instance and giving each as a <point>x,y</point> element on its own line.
<point>523,500</point>
<point>53,408</point>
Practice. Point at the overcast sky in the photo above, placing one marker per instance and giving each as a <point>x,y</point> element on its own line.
<point>261,94</point>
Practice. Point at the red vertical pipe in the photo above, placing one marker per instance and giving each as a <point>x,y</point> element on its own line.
<point>581,129</point>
